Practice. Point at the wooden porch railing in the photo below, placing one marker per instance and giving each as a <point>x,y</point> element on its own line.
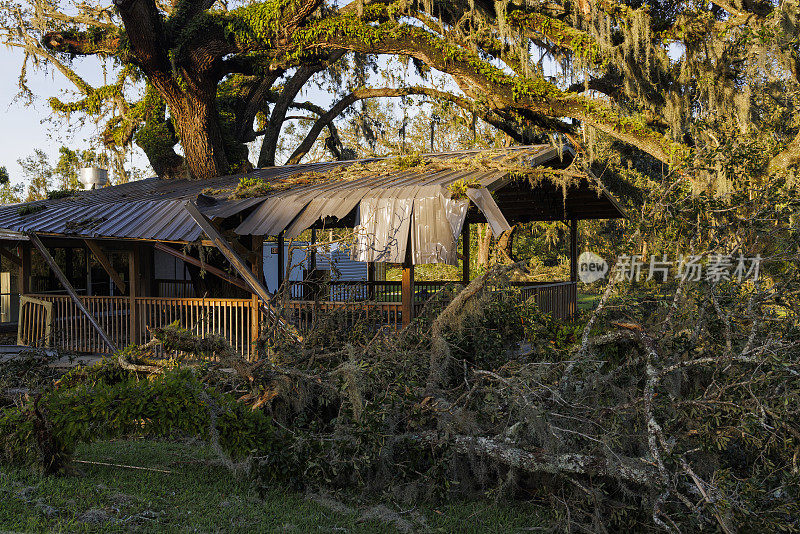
<point>231,318</point>
<point>349,291</point>
<point>302,313</point>
<point>35,323</point>
<point>379,302</point>
<point>559,299</point>
<point>55,320</point>
<point>556,298</point>
<point>72,330</point>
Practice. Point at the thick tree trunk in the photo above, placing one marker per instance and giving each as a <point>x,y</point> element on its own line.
<point>191,94</point>
<point>484,245</point>
<point>198,128</point>
<point>505,246</point>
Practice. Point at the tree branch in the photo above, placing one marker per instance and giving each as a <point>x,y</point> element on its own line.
<point>145,33</point>
<point>364,93</point>
<point>628,469</point>
<point>501,90</point>
<point>291,88</point>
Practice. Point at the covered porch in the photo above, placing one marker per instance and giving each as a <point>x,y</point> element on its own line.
<point>398,213</point>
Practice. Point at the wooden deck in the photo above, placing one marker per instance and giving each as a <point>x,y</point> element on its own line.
<point>55,320</point>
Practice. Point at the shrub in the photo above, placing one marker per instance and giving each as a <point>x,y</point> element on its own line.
<point>104,402</point>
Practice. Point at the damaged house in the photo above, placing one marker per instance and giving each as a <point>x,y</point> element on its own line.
<point>130,257</point>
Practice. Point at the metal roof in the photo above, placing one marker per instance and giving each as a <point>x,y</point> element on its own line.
<point>384,198</point>
<point>144,209</point>
<point>9,235</point>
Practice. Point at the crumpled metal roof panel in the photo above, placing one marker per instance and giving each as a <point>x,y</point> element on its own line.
<point>153,208</point>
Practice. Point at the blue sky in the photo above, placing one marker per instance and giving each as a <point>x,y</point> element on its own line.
<point>23,129</point>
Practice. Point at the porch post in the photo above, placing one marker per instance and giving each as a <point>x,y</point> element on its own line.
<point>257,266</point>
<point>407,288</point>
<point>281,261</point>
<point>147,264</point>
<point>312,252</point>
<point>24,279</point>
<point>311,286</point>
<point>370,280</point>
<point>133,291</point>
<point>573,250</point>
<point>465,259</point>
<point>88,257</point>
<point>573,267</point>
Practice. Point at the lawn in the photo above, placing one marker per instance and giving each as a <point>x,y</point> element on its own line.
<point>185,490</point>
<point>588,301</point>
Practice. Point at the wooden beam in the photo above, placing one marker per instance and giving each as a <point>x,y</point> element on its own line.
<point>71,290</point>
<point>465,259</point>
<point>407,288</point>
<point>237,263</point>
<point>134,267</point>
<point>312,253</point>
<point>238,282</point>
<point>88,272</point>
<point>150,286</point>
<point>257,266</point>
<point>13,258</point>
<point>106,264</point>
<point>24,278</point>
<point>281,261</point>
<point>573,250</point>
<point>257,257</point>
<point>371,280</point>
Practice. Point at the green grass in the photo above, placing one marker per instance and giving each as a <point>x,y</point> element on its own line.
<point>198,495</point>
<point>588,301</point>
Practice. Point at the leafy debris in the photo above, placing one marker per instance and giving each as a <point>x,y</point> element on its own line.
<point>30,209</point>
<point>89,223</point>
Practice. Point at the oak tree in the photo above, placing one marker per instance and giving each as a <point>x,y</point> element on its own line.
<point>671,80</point>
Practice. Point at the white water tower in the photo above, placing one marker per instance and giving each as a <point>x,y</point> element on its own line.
<point>93,177</point>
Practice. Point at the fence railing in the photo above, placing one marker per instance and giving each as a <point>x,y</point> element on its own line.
<point>379,302</point>
<point>35,323</point>
<point>559,299</point>
<point>55,320</point>
<point>556,298</point>
<point>304,313</point>
<point>71,330</point>
<point>234,319</point>
<point>378,291</point>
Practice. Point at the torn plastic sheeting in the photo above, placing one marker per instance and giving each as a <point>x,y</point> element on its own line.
<point>456,213</point>
<point>381,233</point>
<point>483,199</point>
<point>431,234</point>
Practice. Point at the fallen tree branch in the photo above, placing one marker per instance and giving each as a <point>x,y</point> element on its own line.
<point>636,470</point>
<point>440,351</point>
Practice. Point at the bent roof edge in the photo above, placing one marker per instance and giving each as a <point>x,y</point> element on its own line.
<point>150,209</point>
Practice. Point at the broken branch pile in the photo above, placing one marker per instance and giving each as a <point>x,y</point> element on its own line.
<point>630,426</point>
